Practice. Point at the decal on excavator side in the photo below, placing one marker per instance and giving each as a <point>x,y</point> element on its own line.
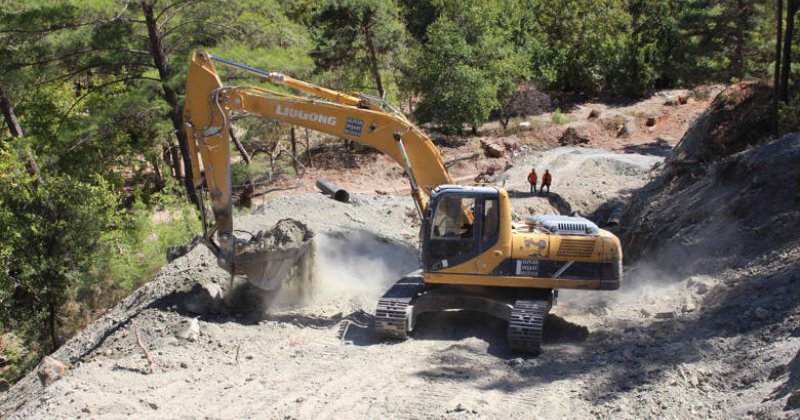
<point>353,126</point>
<point>528,268</point>
<point>303,115</point>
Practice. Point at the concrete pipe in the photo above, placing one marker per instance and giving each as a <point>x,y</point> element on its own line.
<point>331,189</point>
<point>615,217</point>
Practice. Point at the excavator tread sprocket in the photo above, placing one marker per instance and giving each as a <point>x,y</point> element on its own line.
<point>527,322</point>
<point>393,314</point>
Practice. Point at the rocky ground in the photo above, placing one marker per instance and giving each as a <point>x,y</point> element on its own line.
<point>711,333</point>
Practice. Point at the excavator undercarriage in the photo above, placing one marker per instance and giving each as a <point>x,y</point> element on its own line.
<point>525,310</point>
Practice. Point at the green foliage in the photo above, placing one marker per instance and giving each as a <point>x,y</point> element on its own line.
<point>587,41</point>
<point>468,68</point>
<point>132,253</point>
<point>361,42</point>
<point>242,173</point>
<point>19,357</point>
<point>52,230</point>
<point>455,92</point>
<point>418,15</point>
<point>558,118</point>
<point>718,36</point>
<point>648,60</point>
<point>789,115</point>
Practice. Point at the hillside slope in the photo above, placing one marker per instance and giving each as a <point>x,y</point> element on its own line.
<point>707,323</point>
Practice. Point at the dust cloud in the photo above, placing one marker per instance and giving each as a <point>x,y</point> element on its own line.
<point>643,284</point>
<point>355,266</point>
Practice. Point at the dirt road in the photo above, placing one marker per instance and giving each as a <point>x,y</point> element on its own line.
<point>662,346</point>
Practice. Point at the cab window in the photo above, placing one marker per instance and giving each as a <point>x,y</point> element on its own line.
<point>491,221</point>
<point>452,231</point>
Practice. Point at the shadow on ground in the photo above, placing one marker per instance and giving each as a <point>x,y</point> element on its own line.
<point>659,147</point>
<point>357,329</point>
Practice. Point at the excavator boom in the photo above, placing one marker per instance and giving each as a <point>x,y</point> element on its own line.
<point>210,105</point>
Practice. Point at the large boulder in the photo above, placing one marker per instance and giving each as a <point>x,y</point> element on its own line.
<point>50,370</point>
<point>572,137</point>
<point>629,128</point>
<point>492,150</point>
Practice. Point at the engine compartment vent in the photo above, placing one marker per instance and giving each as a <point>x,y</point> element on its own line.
<point>577,248</point>
<point>564,225</point>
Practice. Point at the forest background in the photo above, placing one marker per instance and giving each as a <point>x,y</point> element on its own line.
<point>91,92</point>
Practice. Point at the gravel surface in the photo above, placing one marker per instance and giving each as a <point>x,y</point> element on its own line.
<point>669,344</point>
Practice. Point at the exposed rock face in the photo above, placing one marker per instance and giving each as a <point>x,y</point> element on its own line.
<point>726,193</point>
<point>739,117</point>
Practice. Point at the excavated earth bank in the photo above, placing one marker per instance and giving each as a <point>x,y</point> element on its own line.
<point>706,324</point>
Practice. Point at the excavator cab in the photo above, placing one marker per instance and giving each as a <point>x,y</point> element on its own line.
<point>459,224</point>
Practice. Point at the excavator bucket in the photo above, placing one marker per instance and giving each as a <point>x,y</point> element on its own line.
<point>274,257</point>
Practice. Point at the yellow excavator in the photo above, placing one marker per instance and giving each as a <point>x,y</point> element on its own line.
<point>473,256</point>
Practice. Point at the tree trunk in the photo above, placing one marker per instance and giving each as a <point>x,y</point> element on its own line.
<point>8,112</point>
<point>777,79</point>
<point>33,168</point>
<point>366,26</point>
<point>308,151</point>
<point>175,114</point>
<point>16,131</point>
<point>504,121</point>
<point>738,62</point>
<point>294,149</point>
<point>157,171</point>
<point>51,325</point>
<point>739,54</point>
<point>240,148</point>
<point>175,160</point>
<point>791,9</point>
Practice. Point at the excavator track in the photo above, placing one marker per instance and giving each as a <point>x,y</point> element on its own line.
<point>393,314</point>
<point>527,321</point>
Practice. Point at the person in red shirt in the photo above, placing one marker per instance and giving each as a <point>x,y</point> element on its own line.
<point>546,180</point>
<point>532,179</point>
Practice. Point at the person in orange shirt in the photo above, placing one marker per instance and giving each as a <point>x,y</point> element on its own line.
<point>546,180</point>
<point>532,179</point>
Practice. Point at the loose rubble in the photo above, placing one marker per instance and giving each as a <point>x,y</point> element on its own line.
<point>706,327</point>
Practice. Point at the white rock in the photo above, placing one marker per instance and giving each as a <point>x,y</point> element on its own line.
<point>688,305</point>
<point>190,331</point>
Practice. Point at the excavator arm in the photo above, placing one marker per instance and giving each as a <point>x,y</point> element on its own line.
<point>210,107</point>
